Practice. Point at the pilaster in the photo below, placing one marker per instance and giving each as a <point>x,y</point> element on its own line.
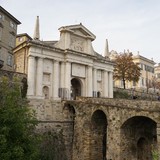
<point>110,84</point>
<point>55,79</point>
<point>62,67</point>
<point>105,84</point>
<point>95,82</point>
<point>39,76</point>
<point>68,79</point>
<point>89,81</point>
<point>31,76</point>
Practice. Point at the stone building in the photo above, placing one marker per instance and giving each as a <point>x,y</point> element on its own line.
<point>92,128</point>
<point>66,68</point>
<point>8,32</point>
<point>157,71</point>
<point>147,72</point>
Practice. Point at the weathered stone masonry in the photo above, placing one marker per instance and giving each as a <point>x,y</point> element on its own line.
<point>95,128</point>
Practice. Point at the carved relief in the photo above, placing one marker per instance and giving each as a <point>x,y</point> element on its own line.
<point>77,44</point>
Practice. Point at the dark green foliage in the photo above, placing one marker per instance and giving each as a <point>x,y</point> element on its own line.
<point>121,94</point>
<point>17,124</point>
<point>52,146</point>
<point>24,87</point>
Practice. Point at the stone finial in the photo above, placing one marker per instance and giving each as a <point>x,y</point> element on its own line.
<point>36,35</point>
<point>106,51</point>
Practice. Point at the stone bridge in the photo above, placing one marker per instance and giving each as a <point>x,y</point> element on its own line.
<point>104,129</point>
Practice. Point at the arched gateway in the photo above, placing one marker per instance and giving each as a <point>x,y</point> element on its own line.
<point>75,88</point>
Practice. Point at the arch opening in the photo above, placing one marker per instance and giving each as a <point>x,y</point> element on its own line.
<point>46,92</point>
<point>138,138</point>
<point>75,88</point>
<point>98,135</point>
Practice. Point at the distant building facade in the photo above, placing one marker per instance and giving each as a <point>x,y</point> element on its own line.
<point>8,32</point>
<point>66,68</point>
<point>157,71</point>
<point>147,72</point>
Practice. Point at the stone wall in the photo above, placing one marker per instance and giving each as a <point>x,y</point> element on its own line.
<point>95,128</point>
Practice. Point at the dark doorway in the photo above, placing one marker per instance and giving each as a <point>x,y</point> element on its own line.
<point>143,149</point>
<point>98,135</point>
<point>75,88</point>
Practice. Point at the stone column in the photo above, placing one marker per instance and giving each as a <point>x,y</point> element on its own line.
<point>68,79</point>
<point>110,85</point>
<point>105,84</point>
<point>89,81</point>
<point>39,77</point>
<point>95,82</point>
<point>31,76</point>
<point>55,84</point>
<point>158,139</point>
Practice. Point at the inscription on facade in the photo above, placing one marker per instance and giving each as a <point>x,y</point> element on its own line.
<point>78,70</point>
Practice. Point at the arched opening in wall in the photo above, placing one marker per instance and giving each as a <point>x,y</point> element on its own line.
<point>138,138</point>
<point>75,88</point>
<point>69,116</point>
<point>98,135</point>
<point>46,92</point>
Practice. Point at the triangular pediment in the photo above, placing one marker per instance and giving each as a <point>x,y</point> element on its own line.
<point>79,30</point>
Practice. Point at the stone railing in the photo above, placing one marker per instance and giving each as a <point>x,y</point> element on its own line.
<point>134,94</point>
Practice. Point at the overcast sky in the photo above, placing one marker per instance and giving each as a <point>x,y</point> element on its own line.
<point>127,24</point>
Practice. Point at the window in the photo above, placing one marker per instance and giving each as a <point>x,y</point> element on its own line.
<point>9,60</point>
<point>20,39</point>
<point>134,83</point>
<point>1,17</point>
<point>12,25</point>
<point>1,33</point>
<point>12,40</point>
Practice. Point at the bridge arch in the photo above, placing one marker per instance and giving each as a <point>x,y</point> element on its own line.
<point>138,137</point>
<point>98,135</point>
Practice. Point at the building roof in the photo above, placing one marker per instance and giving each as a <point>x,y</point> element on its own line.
<point>78,26</point>
<point>23,34</point>
<point>144,58</point>
<point>9,15</point>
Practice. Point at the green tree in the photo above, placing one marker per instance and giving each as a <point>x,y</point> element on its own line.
<point>125,69</point>
<point>17,124</point>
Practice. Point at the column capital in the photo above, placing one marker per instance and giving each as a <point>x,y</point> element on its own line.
<point>55,61</point>
<point>31,56</point>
